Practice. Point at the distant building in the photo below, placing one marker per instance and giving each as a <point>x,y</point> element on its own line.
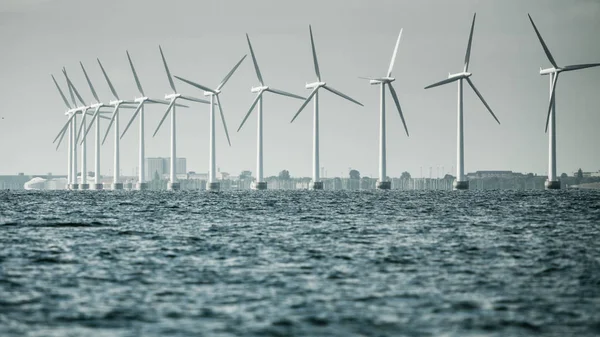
<point>491,174</point>
<point>161,167</point>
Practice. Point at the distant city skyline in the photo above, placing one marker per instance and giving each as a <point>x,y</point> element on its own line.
<point>42,36</point>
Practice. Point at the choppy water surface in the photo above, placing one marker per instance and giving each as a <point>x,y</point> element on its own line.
<point>300,263</point>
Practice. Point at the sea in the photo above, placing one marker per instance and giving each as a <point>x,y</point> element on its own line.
<point>300,263</point>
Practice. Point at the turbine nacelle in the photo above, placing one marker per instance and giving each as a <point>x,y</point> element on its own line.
<point>259,89</point>
<point>141,99</point>
<point>381,80</point>
<point>117,102</point>
<point>209,93</point>
<point>315,85</point>
<point>172,96</point>
<point>548,71</point>
<point>464,74</point>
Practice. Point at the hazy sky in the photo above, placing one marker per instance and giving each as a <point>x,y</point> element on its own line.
<point>202,40</point>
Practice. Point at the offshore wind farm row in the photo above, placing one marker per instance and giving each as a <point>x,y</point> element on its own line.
<point>77,133</point>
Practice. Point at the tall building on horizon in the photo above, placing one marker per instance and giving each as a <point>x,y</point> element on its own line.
<point>160,166</point>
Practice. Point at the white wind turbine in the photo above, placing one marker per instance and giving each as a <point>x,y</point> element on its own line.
<point>317,184</point>
<point>213,184</point>
<point>260,183</point>
<point>142,185</point>
<point>383,183</point>
<point>173,97</point>
<point>117,185</point>
<point>461,183</point>
<point>553,182</point>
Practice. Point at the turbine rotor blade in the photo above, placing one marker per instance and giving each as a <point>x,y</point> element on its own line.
<point>72,89</point>
<point>80,129</point>
<point>171,83</point>
<point>552,93</point>
<point>63,129</point>
<point>312,93</point>
<point>135,113</point>
<point>342,95</point>
<point>366,78</point>
<point>395,97</point>
<point>314,52</point>
<point>389,73</point>
<point>546,50</point>
<point>61,93</point>
<point>258,74</point>
<point>112,119</point>
<point>94,119</point>
<point>448,80</point>
<point>580,66</point>
<point>468,54</point>
<point>284,93</point>
<point>112,89</point>
<point>222,84</point>
<point>223,119</point>
<point>481,98</point>
<point>250,110</point>
<point>135,76</point>
<point>62,133</point>
<point>164,116</point>
<point>89,83</point>
<point>194,99</point>
<point>194,84</point>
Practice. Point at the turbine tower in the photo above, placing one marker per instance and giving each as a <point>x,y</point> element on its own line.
<point>317,184</point>
<point>553,183</point>
<point>213,184</point>
<point>173,184</point>
<point>383,183</point>
<point>461,183</point>
<point>73,135</point>
<point>261,184</point>
<point>117,185</point>
<point>141,185</point>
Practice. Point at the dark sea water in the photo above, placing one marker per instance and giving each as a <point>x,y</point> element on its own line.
<point>300,263</point>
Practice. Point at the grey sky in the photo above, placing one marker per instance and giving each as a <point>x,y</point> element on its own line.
<point>202,40</point>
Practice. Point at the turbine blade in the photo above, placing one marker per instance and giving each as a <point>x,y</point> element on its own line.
<point>112,89</point>
<point>448,80</point>
<point>62,133</point>
<point>250,110</point>
<point>94,119</point>
<point>546,50</point>
<point>395,97</point>
<point>61,93</point>
<point>481,98</point>
<point>135,113</point>
<point>258,74</point>
<point>222,84</point>
<point>312,93</point>
<point>342,95</point>
<point>284,93</point>
<point>171,83</point>
<point>64,128</point>
<point>389,73</point>
<point>162,101</point>
<point>164,116</point>
<point>552,93</point>
<point>194,99</point>
<point>89,83</point>
<point>137,80</point>
<point>194,84</point>
<point>468,54</point>
<point>80,129</point>
<point>314,52</point>
<point>366,78</point>
<point>581,66</point>
<point>223,119</point>
<point>112,120</point>
<point>70,88</point>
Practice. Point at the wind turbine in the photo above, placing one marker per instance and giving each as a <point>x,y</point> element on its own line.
<point>553,183</point>
<point>261,184</point>
<point>114,119</point>
<point>383,183</point>
<point>317,184</point>
<point>173,184</point>
<point>142,185</point>
<point>461,183</point>
<point>213,184</point>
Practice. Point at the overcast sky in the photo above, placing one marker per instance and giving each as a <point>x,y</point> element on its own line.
<point>202,40</point>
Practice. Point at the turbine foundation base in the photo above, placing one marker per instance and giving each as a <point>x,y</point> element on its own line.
<point>384,185</point>
<point>74,187</point>
<point>117,186</point>
<point>98,187</point>
<point>84,186</point>
<point>128,186</point>
<point>173,186</point>
<point>260,186</point>
<point>552,185</point>
<point>141,186</point>
<point>461,185</point>
<point>317,185</point>
<point>214,187</point>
